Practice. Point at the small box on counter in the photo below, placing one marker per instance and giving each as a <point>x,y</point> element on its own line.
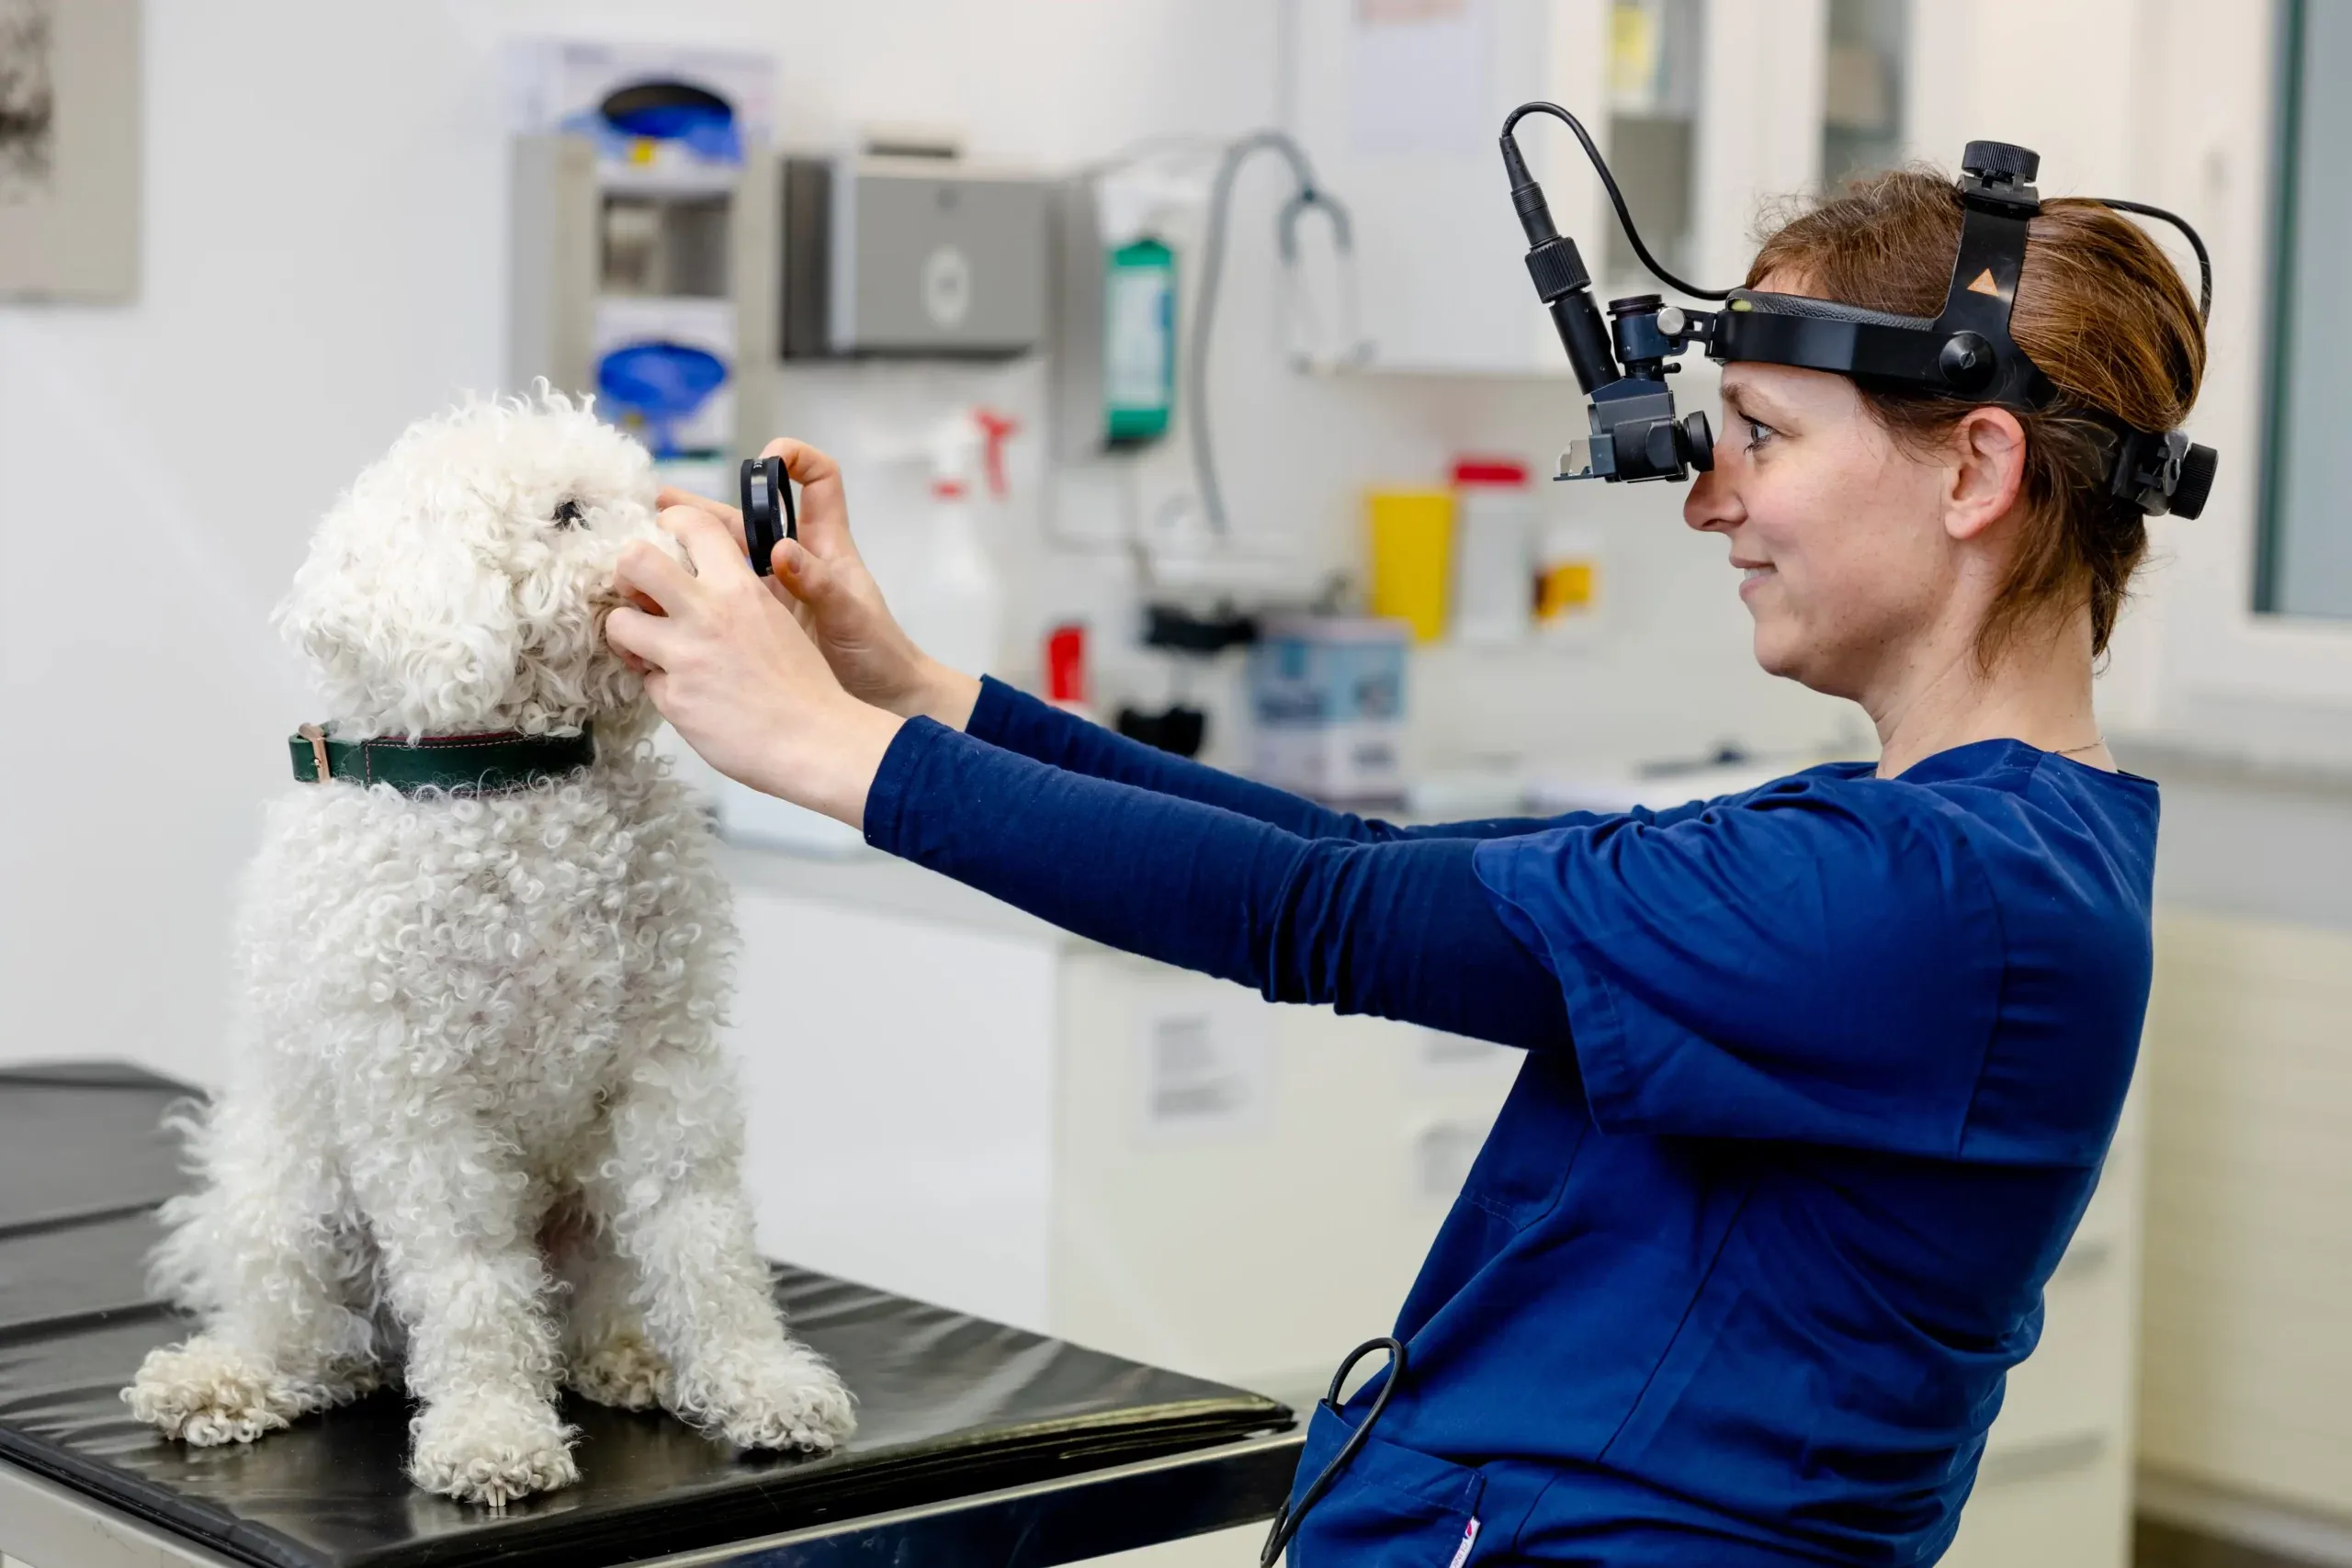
<point>1329,697</point>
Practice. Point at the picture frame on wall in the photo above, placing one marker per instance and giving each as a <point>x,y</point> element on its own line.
<point>69,150</point>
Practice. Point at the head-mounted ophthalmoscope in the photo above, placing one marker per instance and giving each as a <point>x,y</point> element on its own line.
<point>1964,352</point>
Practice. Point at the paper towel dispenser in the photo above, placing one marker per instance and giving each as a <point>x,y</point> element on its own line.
<point>911,256</point>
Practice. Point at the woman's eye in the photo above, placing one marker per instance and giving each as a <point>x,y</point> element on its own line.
<point>1758,433</point>
<point>568,515</point>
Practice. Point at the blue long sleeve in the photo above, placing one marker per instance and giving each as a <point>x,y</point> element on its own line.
<point>1016,721</point>
<point>1400,929</point>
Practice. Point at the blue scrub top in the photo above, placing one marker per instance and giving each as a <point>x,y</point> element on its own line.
<point>1736,1279</point>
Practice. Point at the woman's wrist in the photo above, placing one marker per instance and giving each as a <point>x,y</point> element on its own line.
<point>837,772</point>
<point>939,694</point>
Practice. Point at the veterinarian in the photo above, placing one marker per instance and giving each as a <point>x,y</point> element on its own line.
<point>1818,1077</point>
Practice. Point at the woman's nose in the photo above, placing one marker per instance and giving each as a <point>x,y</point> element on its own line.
<point>1713,505</point>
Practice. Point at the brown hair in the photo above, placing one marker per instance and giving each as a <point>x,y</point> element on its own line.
<point>2101,310</point>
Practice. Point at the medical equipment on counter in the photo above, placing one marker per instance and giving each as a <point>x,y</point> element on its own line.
<point>1327,693</point>
<point>1410,536</point>
<point>1569,574</point>
<point>1965,352</point>
<point>1189,639</point>
<point>768,515</point>
<point>1494,551</point>
<point>1068,685</point>
<point>911,256</point>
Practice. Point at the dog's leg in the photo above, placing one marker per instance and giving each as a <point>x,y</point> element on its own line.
<point>607,1354</point>
<point>458,1225</point>
<point>266,1252</point>
<point>672,1192</point>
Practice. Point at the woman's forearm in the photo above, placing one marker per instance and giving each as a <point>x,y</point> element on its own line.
<point>1401,929</point>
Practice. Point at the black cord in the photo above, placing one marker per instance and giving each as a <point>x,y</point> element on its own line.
<point>1196,411</point>
<point>2204,262</point>
<point>1625,216</point>
<point>1286,1518</point>
<point>1616,197</point>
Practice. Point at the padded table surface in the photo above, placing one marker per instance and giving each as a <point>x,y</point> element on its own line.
<point>949,1405</point>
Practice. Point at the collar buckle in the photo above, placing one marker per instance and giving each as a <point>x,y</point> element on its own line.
<point>318,739</point>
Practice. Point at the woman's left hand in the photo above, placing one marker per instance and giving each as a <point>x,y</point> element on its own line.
<point>733,672</point>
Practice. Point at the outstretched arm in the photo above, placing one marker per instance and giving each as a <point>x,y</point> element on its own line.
<point>1401,929</point>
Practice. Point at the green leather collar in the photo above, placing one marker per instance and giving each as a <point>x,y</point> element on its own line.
<point>471,763</point>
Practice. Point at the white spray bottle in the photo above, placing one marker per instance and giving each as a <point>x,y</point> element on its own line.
<point>957,608</point>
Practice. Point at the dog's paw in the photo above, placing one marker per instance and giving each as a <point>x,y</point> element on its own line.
<point>794,1401</point>
<point>491,1448</point>
<point>625,1372</point>
<point>205,1392</point>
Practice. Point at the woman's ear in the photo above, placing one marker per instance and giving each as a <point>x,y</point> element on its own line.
<point>1988,472</point>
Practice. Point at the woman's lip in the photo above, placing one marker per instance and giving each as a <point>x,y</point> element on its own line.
<point>1754,575</point>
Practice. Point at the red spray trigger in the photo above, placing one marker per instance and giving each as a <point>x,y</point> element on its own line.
<point>994,428</point>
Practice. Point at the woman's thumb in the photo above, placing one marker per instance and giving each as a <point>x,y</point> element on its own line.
<point>805,576</point>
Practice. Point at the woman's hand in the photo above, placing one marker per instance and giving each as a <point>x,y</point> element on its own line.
<point>732,670</point>
<point>823,580</point>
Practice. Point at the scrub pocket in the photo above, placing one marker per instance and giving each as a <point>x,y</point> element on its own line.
<point>1390,1509</point>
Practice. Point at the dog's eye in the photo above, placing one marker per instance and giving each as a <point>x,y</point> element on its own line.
<point>568,515</point>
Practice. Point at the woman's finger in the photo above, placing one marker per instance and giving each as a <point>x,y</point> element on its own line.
<point>824,512</point>
<point>670,496</point>
<point>712,545</point>
<point>641,638</point>
<point>649,577</point>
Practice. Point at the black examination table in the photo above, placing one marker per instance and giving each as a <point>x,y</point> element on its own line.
<point>977,1443</point>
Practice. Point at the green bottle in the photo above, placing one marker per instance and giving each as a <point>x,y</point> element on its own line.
<point>1139,342</point>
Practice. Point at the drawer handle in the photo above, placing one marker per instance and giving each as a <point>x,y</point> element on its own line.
<point>2042,1457</point>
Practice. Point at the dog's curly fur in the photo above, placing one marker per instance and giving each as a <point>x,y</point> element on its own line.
<point>477,1133</point>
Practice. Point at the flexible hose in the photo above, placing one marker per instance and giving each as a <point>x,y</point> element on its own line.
<point>1196,403</point>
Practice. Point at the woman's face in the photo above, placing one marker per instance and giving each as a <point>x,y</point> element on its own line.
<point>1840,534</point>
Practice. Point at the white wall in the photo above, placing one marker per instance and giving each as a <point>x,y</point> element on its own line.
<point>323,234</point>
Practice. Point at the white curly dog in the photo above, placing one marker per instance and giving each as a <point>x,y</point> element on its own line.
<point>477,1132</point>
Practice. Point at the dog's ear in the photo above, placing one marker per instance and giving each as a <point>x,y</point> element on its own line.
<point>407,629</point>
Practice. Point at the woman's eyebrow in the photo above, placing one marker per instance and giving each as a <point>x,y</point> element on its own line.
<point>1748,400</point>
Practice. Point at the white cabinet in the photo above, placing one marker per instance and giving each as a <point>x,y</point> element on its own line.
<point>1705,106</point>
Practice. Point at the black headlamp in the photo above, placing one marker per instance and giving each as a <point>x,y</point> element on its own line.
<point>1964,352</point>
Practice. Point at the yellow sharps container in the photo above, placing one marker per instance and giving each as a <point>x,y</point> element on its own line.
<point>1412,557</point>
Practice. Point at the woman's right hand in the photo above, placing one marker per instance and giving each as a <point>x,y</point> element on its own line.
<point>822,580</point>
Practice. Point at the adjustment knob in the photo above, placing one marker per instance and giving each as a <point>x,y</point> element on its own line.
<point>2196,481</point>
<point>1966,362</point>
<point>2001,160</point>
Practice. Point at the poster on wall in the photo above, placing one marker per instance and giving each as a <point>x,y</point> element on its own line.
<point>69,149</point>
